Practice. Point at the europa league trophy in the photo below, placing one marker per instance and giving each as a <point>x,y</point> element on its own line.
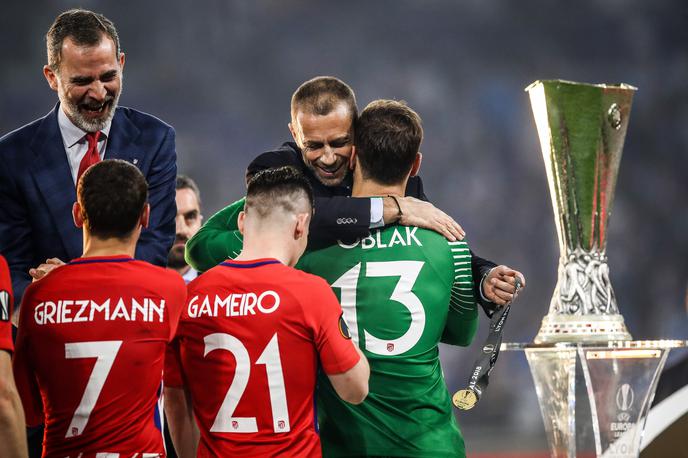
<point>582,129</point>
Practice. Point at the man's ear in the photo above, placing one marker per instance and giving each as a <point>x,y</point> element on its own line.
<point>301,228</point>
<point>416,164</point>
<point>293,133</point>
<point>145,216</point>
<point>121,62</point>
<point>50,77</point>
<point>241,221</point>
<point>76,215</point>
<point>352,158</point>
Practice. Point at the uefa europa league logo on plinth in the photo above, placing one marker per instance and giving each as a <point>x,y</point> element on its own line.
<point>582,129</point>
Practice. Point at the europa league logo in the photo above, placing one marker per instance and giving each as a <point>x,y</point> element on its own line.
<point>582,129</point>
<point>625,397</point>
<point>4,305</point>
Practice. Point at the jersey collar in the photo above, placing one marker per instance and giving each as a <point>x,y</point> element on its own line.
<point>93,259</point>
<point>250,264</point>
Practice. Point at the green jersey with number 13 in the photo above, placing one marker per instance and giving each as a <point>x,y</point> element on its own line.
<point>402,290</point>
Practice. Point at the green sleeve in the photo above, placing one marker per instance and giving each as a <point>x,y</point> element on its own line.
<point>462,317</point>
<point>217,240</point>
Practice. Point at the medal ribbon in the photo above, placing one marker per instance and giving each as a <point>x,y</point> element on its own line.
<point>480,376</point>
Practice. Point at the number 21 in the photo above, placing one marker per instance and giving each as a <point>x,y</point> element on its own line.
<point>224,421</point>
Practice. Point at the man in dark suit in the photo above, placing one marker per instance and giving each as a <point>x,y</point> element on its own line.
<point>41,162</point>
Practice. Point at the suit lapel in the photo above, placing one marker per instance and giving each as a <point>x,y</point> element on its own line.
<point>53,178</point>
<point>122,141</point>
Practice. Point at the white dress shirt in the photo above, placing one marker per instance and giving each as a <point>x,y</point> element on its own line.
<point>190,275</point>
<point>75,143</point>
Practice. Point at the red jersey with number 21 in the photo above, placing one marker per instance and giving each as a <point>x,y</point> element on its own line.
<point>249,343</point>
<point>90,355</point>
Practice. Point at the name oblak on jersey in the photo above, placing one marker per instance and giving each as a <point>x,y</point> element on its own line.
<point>233,304</point>
<point>374,240</point>
<point>76,311</point>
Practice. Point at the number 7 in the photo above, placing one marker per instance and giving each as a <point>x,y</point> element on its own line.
<point>106,352</point>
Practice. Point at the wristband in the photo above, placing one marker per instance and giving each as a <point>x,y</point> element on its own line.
<point>396,201</point>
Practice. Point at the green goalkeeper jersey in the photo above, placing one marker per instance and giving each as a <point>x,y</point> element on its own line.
<point>402,290</point>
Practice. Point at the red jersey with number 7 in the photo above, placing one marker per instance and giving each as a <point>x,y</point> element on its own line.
<point>90,355</point>
<point>249,344</point>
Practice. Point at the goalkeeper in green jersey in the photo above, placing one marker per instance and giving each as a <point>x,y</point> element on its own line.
<point>403,290</point>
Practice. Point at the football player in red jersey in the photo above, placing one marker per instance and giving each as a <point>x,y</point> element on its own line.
<point>93,332</point>
<point>12,432</point>
<point>254,333</point>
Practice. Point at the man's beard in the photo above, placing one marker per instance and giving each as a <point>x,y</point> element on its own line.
<point>175,258</point>
<point>92,125</point>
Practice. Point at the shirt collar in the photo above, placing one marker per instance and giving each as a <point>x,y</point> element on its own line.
<point>71,134</point>
<point>190,274</point>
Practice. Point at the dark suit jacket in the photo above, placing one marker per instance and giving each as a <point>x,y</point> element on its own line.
<point>341,217</point>
<point>37,191</point>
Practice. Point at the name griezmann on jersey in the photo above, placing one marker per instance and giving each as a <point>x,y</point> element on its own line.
<point>66,311</point>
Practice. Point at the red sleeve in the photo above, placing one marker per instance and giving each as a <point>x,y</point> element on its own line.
<point>24,376</point>
<point>173,367</point>
<point>332,338</point>
<point>6,303</point>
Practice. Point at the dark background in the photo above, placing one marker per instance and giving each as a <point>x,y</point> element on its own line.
<point>222,73</point>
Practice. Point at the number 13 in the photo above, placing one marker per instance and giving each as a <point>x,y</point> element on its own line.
<point>408,272</point>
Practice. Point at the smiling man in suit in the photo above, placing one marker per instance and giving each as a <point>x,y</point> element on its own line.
<point>41,162</point>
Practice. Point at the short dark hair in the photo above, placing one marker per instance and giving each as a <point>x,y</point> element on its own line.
<point>185,182</point>
<point>112,195</point>
<point>321,95</point>
<point>279,188</point>
<point>387,137</point>
<point>85,27</point>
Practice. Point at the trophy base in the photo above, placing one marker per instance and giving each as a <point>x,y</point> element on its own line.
<point>582,328</point>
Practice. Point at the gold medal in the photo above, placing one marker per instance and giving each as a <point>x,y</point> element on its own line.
<point>465,399</point>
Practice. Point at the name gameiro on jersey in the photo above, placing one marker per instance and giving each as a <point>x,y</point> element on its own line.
<point>233,304</point>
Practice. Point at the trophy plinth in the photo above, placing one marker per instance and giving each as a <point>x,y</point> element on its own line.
<point>595,397</point>
<point>582,129</point>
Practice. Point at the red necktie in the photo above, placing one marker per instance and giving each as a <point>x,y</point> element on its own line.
<point>91,157</point>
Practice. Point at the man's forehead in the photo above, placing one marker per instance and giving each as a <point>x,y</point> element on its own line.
<point>103,52</point>
<point>336,123</point>
<point>186,200</point>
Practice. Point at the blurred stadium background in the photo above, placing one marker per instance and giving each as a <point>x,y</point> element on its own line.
<point>222,73</point>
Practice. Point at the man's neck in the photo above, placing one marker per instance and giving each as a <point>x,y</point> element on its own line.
<point>94,246</point>
<point>268,245</point>
<point>182,270</point>
<point>369,188</point>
